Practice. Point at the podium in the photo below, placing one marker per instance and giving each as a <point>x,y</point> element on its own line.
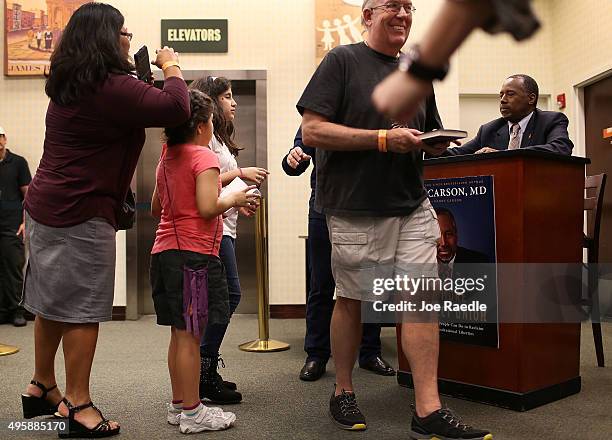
<point>539,200</point>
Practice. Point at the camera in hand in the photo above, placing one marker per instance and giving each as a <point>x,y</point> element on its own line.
<point>143,66</point>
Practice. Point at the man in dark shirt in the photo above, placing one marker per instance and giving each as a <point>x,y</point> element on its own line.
<point>14,180</point>
<point>370,187</point>
<point>522,125</point>
<point>320,303</point>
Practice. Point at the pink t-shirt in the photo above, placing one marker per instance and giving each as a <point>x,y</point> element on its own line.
<point>183,164</point>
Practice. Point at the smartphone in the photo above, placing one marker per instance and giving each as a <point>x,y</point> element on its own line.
<point>143,66</point>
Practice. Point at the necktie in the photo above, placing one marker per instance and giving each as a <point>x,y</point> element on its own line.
<point>444,270</point>
<point>514,137</point>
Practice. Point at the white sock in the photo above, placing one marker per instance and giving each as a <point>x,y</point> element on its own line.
<point>192,412</point>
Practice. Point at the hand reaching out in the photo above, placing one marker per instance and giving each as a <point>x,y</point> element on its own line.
<point>296,156</point>
<point>399,96</point>
<point>486,150</point>
<point>255,174</point>
<point>436,149</point>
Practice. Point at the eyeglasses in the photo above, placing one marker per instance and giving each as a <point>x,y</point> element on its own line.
<point>396,7</point>
<point>128,35</point>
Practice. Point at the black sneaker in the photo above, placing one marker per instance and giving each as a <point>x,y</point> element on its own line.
<point>345,413</point>
<point>443,424</point>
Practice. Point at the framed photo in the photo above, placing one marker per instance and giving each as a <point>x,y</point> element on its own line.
<point>337,22</point>
<point>32,29</point>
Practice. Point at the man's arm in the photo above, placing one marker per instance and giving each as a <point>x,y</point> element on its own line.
<point>24,190</point>
<point>557,138</point>
<point>318,130</point>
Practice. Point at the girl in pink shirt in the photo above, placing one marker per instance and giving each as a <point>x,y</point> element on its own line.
<point>186,199</point>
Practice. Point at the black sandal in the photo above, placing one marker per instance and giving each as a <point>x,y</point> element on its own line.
<point>78,430</point>
<point>38,406</point>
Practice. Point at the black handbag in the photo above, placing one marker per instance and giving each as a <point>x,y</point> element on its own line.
<point>127,212</point>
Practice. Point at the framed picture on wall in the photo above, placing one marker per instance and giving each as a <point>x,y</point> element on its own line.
<point>32,29</point>
<point>337,22</point>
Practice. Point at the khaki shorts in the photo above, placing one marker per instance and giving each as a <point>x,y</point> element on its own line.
<point>367,249</point>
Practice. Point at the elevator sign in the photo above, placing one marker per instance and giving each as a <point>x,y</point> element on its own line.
<point>195,36</point>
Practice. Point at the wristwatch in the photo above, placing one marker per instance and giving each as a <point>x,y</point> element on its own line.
<point>410,62</point>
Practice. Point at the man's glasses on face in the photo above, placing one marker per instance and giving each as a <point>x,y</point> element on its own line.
<point>396,7</point>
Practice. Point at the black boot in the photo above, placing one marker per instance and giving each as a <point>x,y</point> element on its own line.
<point>211,384</point>
<point>229,385</point>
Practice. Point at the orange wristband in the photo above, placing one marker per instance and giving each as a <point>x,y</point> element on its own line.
<point>382,141</point>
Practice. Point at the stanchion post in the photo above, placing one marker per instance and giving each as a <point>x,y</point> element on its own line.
<point>263,343</point>
<point>5,350</point>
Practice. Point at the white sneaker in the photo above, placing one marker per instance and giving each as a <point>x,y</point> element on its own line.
<point>206,419</point>
<point>174,415</point>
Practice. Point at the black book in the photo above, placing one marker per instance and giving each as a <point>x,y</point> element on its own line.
<point>442,135</point>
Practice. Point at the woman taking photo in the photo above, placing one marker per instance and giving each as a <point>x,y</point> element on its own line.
<point>94,134</point>
<point>212,386</point>
<point>186,197</point>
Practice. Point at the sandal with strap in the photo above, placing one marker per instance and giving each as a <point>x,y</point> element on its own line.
<point>34,406</point>
<point>78,430</point>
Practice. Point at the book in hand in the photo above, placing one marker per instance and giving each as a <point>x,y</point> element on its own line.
<point>442,135</point>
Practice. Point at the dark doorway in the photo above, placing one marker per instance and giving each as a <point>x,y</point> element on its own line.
<point>598,117</point>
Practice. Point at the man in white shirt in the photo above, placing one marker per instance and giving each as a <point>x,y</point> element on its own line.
<point>522,125</point>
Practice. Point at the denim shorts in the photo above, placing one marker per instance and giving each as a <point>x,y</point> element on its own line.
<point>167,286</point>
<point>369,248</point>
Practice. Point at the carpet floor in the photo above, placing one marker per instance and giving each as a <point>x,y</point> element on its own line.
<point>130,384</point>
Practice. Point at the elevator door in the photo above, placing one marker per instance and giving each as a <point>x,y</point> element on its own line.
<point>248,111</point>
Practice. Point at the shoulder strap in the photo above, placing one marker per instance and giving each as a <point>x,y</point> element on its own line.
<point>163,164</point>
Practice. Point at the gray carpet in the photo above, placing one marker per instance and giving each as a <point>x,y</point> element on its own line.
<point>130,384</point>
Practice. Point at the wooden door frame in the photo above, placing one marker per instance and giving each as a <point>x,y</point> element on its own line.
<point>579,112</point>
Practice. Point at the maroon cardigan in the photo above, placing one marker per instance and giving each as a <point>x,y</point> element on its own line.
<point>91,148</point>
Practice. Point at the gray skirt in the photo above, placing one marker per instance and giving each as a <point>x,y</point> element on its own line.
<point>70,274</point>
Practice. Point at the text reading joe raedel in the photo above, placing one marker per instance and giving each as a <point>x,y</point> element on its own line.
<point>412,286</point>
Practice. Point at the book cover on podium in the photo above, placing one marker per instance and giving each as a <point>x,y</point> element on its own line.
<point>465,208</point>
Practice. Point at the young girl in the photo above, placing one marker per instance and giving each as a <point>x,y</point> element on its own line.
<point>212,386</point>
<point>189,234</point>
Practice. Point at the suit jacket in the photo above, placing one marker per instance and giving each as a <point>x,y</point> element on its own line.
<point>465,255</point>
<point>546,131</point>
